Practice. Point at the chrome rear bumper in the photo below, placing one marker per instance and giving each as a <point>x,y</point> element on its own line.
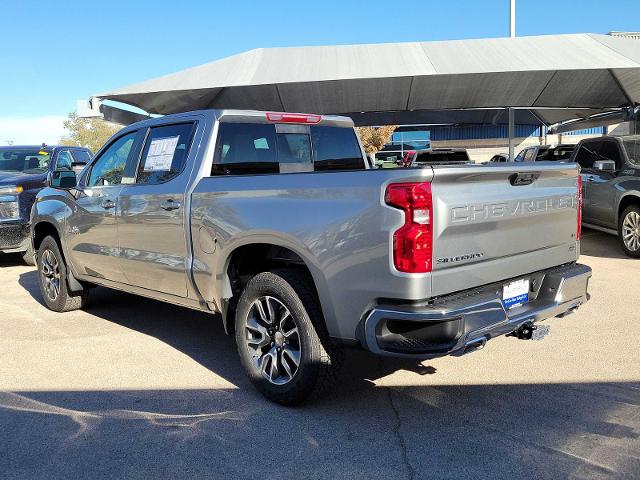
<point>451,325</point>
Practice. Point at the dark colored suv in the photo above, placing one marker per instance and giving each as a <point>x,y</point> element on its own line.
<point>23,173</point>
<point>611,187</point>
<point>440,156</point>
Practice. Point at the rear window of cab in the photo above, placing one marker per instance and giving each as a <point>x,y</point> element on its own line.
<point>255,148</point>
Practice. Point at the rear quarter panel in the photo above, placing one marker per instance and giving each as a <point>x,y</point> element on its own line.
<point>336,222</point>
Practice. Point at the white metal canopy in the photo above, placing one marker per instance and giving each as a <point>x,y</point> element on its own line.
<point>557,77</point>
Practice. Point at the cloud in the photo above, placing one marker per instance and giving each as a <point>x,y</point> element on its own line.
<point>32,130</point>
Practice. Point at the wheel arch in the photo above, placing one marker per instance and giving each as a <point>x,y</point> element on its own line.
<point>45,228</point>
<point>632,198</point>
<point>251,258</point>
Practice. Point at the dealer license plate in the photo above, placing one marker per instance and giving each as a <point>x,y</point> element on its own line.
<point>515,293</point>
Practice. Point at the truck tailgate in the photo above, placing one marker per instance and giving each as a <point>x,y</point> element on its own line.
<point>496,222</point>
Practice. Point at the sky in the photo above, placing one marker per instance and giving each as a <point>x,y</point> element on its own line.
<point>54,53</point>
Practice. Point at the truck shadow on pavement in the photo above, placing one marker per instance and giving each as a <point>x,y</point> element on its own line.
<point>577,430</point>
<point>594,243</point>
<point>11,260</point>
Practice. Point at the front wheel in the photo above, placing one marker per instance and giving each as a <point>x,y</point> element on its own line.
<point>629,231</point>
<point>281,337</point>
<point>52,276</point>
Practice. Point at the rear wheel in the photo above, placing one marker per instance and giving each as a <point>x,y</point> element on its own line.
<point>52,276</point>
<point>281,337</point>
<point>629,231</point>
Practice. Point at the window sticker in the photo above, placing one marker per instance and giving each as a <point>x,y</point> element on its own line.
<point>261,143</point>
<point>160,155</point>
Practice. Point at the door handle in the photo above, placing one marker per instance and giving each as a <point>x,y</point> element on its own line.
<point>107,204</point>
<point>591,178</point>
<point>170,204</point>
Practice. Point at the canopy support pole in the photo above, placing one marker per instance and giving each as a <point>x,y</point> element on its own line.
<point>512,18</point>
<point>511,134</point>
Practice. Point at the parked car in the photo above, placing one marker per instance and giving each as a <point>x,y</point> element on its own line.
<point>274,221</point>
<point>23,171</point>
<point>394,155</point>
<point>539,153</point>
<point>439,156</point>
<point>611,186</point>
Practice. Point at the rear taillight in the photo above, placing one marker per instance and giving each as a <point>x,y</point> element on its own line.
<point>579,228</point>
<point>413,242</point>
<point>282,117</point>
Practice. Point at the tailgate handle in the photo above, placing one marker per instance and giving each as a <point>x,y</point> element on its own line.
<point>517,179</point>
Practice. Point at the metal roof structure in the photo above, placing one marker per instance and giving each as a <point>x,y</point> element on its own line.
<point>553,78</point>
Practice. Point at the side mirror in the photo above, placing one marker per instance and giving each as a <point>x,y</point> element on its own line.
<point>62,179</point>
<point>604,165</point>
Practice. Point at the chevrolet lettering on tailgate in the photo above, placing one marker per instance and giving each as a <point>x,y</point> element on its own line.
<point>487,211</point>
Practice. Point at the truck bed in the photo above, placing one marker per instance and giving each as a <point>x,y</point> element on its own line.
<point>484,229</point>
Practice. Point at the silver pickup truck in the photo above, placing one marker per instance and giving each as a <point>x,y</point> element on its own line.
<point>274,221</point>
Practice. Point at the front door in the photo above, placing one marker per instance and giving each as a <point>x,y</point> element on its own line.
<point>152,226</point>
<point>585,156</point>
<point>602,191</point>
<point>91,230</point>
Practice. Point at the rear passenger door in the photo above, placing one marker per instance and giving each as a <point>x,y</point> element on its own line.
<point>152,225</point>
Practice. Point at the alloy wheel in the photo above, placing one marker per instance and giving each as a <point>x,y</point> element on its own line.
<point>273,340</point>
<point>50,269</point>
<point>631,231</point>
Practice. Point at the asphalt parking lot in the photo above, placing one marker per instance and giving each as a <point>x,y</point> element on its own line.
<point>133,388</point>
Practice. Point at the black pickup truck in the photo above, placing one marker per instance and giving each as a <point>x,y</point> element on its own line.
<point>23,173</point>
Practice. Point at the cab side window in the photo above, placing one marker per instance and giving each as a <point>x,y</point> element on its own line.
<point>81,156</point>
<point>165,153</point>
<point>586,155</point>
<point>108,169</point>
<point>64,160</point>
<point>528,156</point>
<point>610,151</point>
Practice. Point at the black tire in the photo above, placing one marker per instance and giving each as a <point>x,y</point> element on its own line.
<point>28,256</point>
<point>631,213</point>
<point>319,358</point>
<point>64,300</point>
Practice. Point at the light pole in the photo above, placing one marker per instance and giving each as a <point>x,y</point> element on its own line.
<point>512,34</point>
<point>512,18</point>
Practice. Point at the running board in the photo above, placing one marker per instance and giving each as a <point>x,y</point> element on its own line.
<point>601,229</point>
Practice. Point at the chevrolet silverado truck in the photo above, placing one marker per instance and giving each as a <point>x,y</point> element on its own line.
<point>23,172</point>
<point>611,182</point>
<point>274,222</point>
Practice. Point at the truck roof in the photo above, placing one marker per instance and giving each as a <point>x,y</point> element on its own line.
<point>257,116</point>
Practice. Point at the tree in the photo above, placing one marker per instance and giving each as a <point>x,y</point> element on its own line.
<point>374,138</point>
<point>87,132</point>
